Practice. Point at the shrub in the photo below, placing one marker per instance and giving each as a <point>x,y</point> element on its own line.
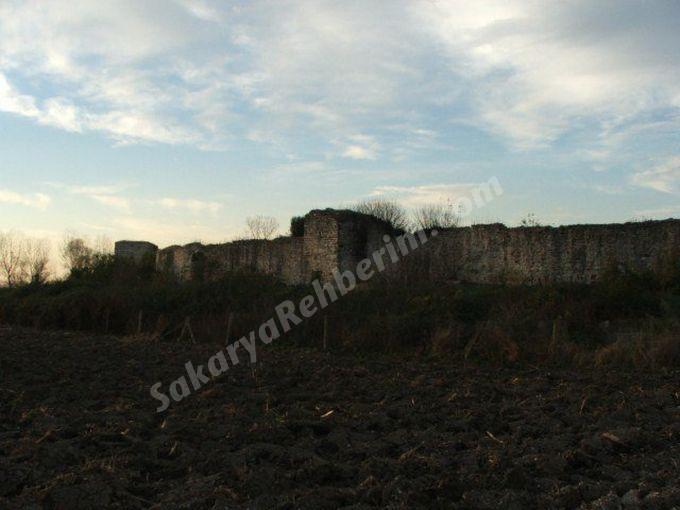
<point>482,323</point>
<point>386,210</point>
<point>297,226</point>
<point>431,217</point>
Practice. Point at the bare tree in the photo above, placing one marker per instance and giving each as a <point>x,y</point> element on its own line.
<point>12,261</point>
<point>261,227</point>
<point>386,210</point>
<point>103,246</point>
<point>75,253</point>
<point>435,216</point>
<point>37,259</point>
<point>530,220</point>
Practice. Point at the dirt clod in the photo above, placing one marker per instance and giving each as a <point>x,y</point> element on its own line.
<point>78,430</point>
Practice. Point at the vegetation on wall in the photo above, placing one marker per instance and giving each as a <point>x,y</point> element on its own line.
<point>297,226</point>
<point>439,216</point>
<point>261,227</point>
<point>386,210</point>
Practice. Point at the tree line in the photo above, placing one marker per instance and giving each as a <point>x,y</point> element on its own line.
<point>426,217</point>
<point>26,260</point>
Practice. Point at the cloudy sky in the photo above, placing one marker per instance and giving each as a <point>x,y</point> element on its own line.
<point>173,120</point>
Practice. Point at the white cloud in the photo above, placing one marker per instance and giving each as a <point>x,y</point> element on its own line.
<point>105,194</point>
<point>202,10</point>
<point>98,189</point>
<point>361,147</point>
<point>415,196</point>
<point>110,195</point>
<point>131,127</point>
<point>192,205</point>
<point>301,167</point>
<point>36,200</point>
<point>61,113</point>
<point>212,73</point>
<point>12,101</point>
<point>607,189</point>
<point>358,152</point>
<point>98,57</point>
<point>112,201</point>
<point>125,127</point>
<point>664,177</point>
<point>539,72</point>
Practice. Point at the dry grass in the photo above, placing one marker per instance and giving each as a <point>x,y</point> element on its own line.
<point>641,350</point>
<point>649,347</point>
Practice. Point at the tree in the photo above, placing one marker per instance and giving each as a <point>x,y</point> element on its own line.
<point>385,210</point>
<point>530,220</point>
<point>12,261</point>
<point>261,227</point>
<point>37,259</point>
<point>103,246</point>
<point>435,216</point>
<point>75,253</point>
<point>80,254</point>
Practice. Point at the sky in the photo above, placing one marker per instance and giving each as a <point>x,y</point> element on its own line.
<point>172,121</point>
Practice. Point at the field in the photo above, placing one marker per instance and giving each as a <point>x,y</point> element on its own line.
<point>309,429</point>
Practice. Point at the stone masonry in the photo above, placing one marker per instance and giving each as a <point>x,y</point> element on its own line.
<point>543,255</point>
<point>136,250</point>
<point>479,254</point>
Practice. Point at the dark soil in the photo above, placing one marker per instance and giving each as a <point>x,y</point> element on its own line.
<point>304,429</point>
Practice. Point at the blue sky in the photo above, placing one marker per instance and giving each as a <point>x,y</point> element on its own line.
<point>172,121</point>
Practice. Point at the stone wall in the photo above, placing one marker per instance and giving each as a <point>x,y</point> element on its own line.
<point>281,257</point>
<point>320,249</point>
<point>339,240</point>
<point>538,255</point>
<point>138,251</point>
<point>479,254</point>
<point>333,239</point>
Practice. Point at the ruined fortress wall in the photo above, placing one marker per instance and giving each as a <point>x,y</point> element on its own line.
<point>175,260</point>
<point>339,240</point>
<point>536,255</point>
<point>359,237</point>
<point>333,239</point>
<point>282,258</point>
<point>137,251</point>
<point>321,242</point>
<point>478,254</point>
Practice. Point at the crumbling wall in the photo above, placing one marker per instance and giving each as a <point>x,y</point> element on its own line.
<point>332,239</point>
<point>138,251</point>
<point>320,249</point>
<point>539,255</point>
<point>281,257</point>
<point>176,260</point>
<point>339,240</point>
<point>479,254</point>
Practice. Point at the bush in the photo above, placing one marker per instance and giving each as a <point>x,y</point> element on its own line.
<point>431,217</point>
<point>385,210</point>
<point>556,324</point>
<point>297,226</point>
